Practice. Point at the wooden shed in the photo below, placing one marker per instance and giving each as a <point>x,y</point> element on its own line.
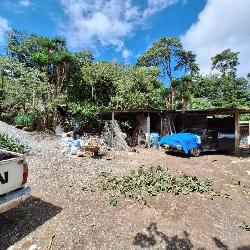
<point>172,121</point>
<point>225,119</point>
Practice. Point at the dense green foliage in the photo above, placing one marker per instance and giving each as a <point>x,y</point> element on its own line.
<point>226,91</point>
<point>27,120</point>
<point>39,74</point>
<point>226,62</point>
<point>22,89</point>
<point>11,144</point>
<point>168,54</point>
<point>152,181</point>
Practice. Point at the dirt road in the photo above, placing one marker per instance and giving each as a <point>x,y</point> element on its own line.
<point>67,210</point>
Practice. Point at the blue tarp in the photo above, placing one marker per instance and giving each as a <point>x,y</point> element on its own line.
<point>187,141</point>
<point>154,140</point>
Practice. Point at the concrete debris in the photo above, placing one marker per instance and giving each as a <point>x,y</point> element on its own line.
<point>114,137</point>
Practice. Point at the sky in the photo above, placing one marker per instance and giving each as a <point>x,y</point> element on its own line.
<point>122,30</point>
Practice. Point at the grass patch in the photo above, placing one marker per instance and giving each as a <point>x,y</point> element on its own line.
<point>245,226</point>
<point>10,144</point>
<point>151,181</point>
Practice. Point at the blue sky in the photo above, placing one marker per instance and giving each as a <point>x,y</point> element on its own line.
<point>123,29</point>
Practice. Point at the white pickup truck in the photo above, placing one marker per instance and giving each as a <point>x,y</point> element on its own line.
<point>13,179</point>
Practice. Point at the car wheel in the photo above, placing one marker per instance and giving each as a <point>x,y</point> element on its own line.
<point>195,152</point>
<point>143,144</point>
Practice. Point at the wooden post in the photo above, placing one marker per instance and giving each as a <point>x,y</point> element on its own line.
<point>249,128</point>
<point>237,133</point>
<point>148,129</point>
<point>112,129</point>
<point>148,124</point>
<point>161,125</point>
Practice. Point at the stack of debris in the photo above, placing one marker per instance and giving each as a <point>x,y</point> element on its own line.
<point>88,143</point>
<point>113,136</point>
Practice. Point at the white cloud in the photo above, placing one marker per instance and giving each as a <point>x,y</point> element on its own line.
<point>17,6</point>
<point>157,5</point>
<point>4,26</point>
<point>105,22</point>
<point>126,54</point>
<point>24,3</point>
<point>222,24</point>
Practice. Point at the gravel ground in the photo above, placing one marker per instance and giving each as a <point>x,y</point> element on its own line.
<point>67,210</point>
<point>37,142</point>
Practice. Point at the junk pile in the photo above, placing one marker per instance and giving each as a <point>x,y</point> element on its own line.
<point>148,140</point>
<point>76,145</point>
<point>113,136</point>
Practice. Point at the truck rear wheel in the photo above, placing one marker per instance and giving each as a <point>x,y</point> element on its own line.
<point>196,152</point>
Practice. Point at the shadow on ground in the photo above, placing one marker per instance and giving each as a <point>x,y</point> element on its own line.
<point>223,246</point>
<point>149,239</point>
<point>225,153</point>
<point>153,237</point>
<point>22,220</point>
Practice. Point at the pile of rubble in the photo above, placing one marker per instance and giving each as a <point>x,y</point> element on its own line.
<point>84,145</point>
<point>112,138</point>
<point>38,143</point>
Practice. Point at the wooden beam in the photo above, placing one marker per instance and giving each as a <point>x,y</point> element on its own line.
<point>112,129</point>
<point>237,133</point>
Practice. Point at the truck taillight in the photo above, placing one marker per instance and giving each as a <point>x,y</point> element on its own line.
<point>25,172</point>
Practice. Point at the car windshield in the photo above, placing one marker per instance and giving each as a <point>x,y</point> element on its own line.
<point>197,131</point>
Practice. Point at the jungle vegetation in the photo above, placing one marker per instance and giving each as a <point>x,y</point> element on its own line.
<point>39,74</point>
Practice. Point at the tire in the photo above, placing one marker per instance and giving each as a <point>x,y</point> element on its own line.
<point>195,152</point>
<point>143,144</point>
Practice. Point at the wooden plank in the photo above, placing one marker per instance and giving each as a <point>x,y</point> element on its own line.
<point>237,133</point>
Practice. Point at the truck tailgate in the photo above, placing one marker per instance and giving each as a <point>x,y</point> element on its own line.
<point>11,175</point>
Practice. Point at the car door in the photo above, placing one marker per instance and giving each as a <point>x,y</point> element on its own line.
<point>209,140</point>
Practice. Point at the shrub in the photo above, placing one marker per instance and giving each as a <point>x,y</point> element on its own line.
<point>152,181</point>
<point>27,120</point>
<point>10,144</point>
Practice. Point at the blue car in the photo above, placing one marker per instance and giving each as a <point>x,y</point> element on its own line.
<point>197,140</point>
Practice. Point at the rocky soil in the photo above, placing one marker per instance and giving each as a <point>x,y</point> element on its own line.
<point>67,209</point>
<point>39,143</point>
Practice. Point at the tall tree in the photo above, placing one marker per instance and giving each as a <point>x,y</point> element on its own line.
<point>221,91</point>
<point>18,84</point>
<point>226,62</point>
<point>168,55</point>
<point>187,62</point>
<point>21,46</point>
<point>53,58</point>
<point>139,87</point>
<point>84,57</point>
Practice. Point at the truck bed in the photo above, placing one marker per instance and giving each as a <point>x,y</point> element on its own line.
<point>7,155</point>
<point>11,171</point>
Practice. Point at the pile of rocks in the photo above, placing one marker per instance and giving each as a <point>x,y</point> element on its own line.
<point>37,142</point>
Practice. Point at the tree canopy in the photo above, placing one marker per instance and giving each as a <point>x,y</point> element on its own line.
<point>168,55</point>
<point>39,74</point>
<point>226,62</point>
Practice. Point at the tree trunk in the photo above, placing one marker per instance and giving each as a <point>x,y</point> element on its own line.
<point>185,99</point>
<point>173,97</point>
<point>185,103</point>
